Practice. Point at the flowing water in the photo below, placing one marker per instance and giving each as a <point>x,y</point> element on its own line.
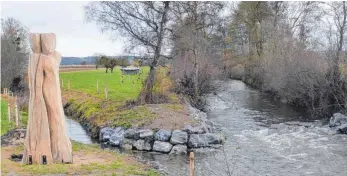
<point>255,145</point>
<point>76,132</point>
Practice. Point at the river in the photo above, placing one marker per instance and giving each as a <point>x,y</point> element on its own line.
<point>259,141</point>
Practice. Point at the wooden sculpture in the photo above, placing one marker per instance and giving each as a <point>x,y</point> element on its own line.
<point>46,139</point>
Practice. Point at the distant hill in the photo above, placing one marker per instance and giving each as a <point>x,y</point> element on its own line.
<point>89,60</point>
<point>77,60</point>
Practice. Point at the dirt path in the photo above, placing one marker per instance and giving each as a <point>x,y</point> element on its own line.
<point>169,116</point>
<point>87,160</point>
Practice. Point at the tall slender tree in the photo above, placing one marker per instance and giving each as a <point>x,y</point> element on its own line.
<point>144,24</point>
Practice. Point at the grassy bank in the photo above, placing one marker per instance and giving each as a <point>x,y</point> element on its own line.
<point>82,101</point>
<point>88,160</point>
<point>7,125</point>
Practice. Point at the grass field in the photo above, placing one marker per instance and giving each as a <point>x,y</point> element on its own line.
<point>5,124</point>
<point>88,160</point>
<point>8,125</point>
<point>86,81</point>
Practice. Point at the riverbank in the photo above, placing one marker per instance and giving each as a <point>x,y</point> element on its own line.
<point>170,125</point>
<point>87,160</point>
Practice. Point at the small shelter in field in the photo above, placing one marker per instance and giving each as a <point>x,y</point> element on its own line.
<point>130,70</point>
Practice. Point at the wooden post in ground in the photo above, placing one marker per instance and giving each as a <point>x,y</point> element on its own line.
<point>97,86</point>
<point>68,85</point>
<point>106,91</point>
<point>9,111</point>
<point>62,83</point>
<point>191,161</point>
<point>16,110</point>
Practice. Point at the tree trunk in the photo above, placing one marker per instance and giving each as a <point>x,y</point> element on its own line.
<point>196,75</point>
<point>146,95</point>
<point>46,130</point>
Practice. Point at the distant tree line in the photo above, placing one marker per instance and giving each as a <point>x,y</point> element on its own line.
<point>109,63</point>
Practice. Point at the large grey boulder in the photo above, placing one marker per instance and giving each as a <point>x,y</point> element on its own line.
<point>128,143</point>
<point>179,137</point>
<point>105,134</point>
<point>178,150</point>
<point>132,134</point>
<point>337,119</point>
<point>142,145</point>
<point>160,146</point>
<point>197,140</point>
<point>194,130</point>
<point>204,140</point>
<point>147,133</point>
<point>214,138</point>
<point>117,137</point>
<point>162,135</point>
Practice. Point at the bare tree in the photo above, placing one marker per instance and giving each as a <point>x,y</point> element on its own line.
<point>338,10</point>
<point>196,25</point>
<point>143,23</point>
<point>14,52</point>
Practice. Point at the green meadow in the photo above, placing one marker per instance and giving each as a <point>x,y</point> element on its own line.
<point>7,125</point>
<point>120,88</point>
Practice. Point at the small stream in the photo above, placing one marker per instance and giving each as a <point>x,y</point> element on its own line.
<point>261,140</point>
<point>76,132</point>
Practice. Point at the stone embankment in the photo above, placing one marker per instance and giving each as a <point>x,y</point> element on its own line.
<point>179,141</point>
<point>174,141</point>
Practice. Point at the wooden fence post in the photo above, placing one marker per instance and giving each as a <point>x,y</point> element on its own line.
<point>62,83</point>
<point>106,91</point>
<point>97,86</point>
<point>9,111</point>
<point>191,159</point>
<point>16,110</point>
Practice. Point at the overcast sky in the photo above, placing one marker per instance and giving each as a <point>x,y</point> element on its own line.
<point>75,37</point>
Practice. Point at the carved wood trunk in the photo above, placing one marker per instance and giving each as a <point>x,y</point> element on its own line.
<point>46,130</point>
